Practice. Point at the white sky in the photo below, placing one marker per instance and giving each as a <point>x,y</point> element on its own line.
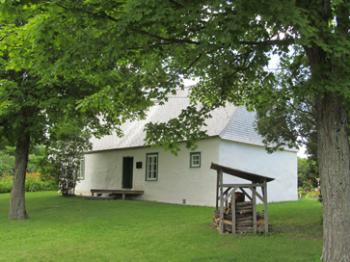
<point>302,152</point>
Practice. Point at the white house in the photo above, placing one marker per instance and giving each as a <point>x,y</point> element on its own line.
<point>125,163</point>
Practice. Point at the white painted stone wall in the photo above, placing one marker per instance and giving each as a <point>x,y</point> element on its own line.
<point>177,181</point>
<point>281,165</point>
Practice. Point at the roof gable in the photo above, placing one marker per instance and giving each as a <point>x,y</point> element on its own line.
<point>229,122</point>
<point>242,128</point>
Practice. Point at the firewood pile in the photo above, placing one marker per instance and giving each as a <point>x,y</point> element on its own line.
<point>244,218</point>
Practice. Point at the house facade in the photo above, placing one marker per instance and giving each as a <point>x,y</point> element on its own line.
<point>186,178</point>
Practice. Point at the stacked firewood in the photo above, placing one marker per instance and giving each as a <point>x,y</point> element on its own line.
<point>244,218</point>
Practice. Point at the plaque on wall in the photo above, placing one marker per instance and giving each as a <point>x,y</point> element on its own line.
<point>139,165</point>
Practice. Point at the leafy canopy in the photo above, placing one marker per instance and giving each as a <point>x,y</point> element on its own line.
<point>135,49</point>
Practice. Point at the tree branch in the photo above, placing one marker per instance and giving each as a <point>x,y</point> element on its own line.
<point>166,40</point>
<point>286,41</point>
<point>104,15</point>
<point>176,3</point>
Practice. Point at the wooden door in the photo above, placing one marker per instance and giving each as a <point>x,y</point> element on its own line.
<point>128,164</point>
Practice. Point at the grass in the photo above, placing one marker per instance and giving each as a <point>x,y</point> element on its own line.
<point>75,229</point>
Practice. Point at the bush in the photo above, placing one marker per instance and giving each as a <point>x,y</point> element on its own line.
<point>310,194</point>
<point>5,184</point>
<point>7,161</point>
<point>34,182</point>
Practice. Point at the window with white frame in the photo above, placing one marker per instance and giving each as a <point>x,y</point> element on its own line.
<point>152,167</point>
<point>195,159</point>
<point>81,173</point>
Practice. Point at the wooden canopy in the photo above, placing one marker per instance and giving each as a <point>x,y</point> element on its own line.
<point>241,174</point>
<point>226,192</point>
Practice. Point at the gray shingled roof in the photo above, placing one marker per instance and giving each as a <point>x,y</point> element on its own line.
<point>241,128</point>
<point>229,123</point>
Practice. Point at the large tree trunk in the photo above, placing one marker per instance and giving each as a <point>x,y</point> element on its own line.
<point>334,168</point>
<point>17,204</point>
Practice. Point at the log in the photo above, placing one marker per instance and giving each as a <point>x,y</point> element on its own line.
<point>245,223</point>
<point>240,217</point>
<point>242,204</point>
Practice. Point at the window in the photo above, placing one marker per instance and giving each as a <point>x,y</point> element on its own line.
<point>195,159</point>
<point>81,173</point>
<point>152,167</point>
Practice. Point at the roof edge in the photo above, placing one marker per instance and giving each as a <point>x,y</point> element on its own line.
<point>137,147</point>
<point>256,144</point>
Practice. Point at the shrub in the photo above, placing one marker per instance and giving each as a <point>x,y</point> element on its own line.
<point>7,161</point>
<point>34,182</point>
<point>5,184</point>
<point>310,194</point>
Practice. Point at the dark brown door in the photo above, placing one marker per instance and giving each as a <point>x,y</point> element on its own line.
<point>128,164</point>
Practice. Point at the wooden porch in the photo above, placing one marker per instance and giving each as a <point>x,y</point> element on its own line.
<point>115,193</point>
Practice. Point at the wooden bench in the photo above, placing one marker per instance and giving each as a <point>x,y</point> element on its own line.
<point>122,192</point>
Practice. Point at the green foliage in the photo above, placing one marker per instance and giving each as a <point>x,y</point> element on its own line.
<point>80,230</point>
<point>58,77</point>
<point>37,161</point>
<point>34,182</point>
<point>138,51</point>
<point>307,174</point>
<point>314,194</point>
<point>5,184</point>
<point>7,161</point>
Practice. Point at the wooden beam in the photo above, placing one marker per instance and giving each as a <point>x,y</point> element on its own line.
<point>233,210</point>
<point>226,194</point>
<point>243,185</point>
<point>245,193</point>
<point>226,191</point>
<point>259,196</point>
<point>254,208</point>
<point>221,202</point>
<point>266,213</point>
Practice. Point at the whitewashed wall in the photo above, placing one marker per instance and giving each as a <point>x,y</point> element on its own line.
<point>281,165</point>
<point>176,180</point>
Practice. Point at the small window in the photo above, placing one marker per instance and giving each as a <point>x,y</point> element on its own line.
<point>152,167</point>
<point>195,160</point>
<point>81,173</point>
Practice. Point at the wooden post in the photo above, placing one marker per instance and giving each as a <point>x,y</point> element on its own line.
<point>266,215</point>
<point>221,202</point>
<point>254,208</point>
<point>233,210</point>
<point>217,190</point>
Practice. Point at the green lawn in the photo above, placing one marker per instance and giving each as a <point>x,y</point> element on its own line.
<point>75,229</point>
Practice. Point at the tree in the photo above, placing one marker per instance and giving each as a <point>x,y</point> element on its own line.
<point>226,46</point>
<point>40,88</point>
